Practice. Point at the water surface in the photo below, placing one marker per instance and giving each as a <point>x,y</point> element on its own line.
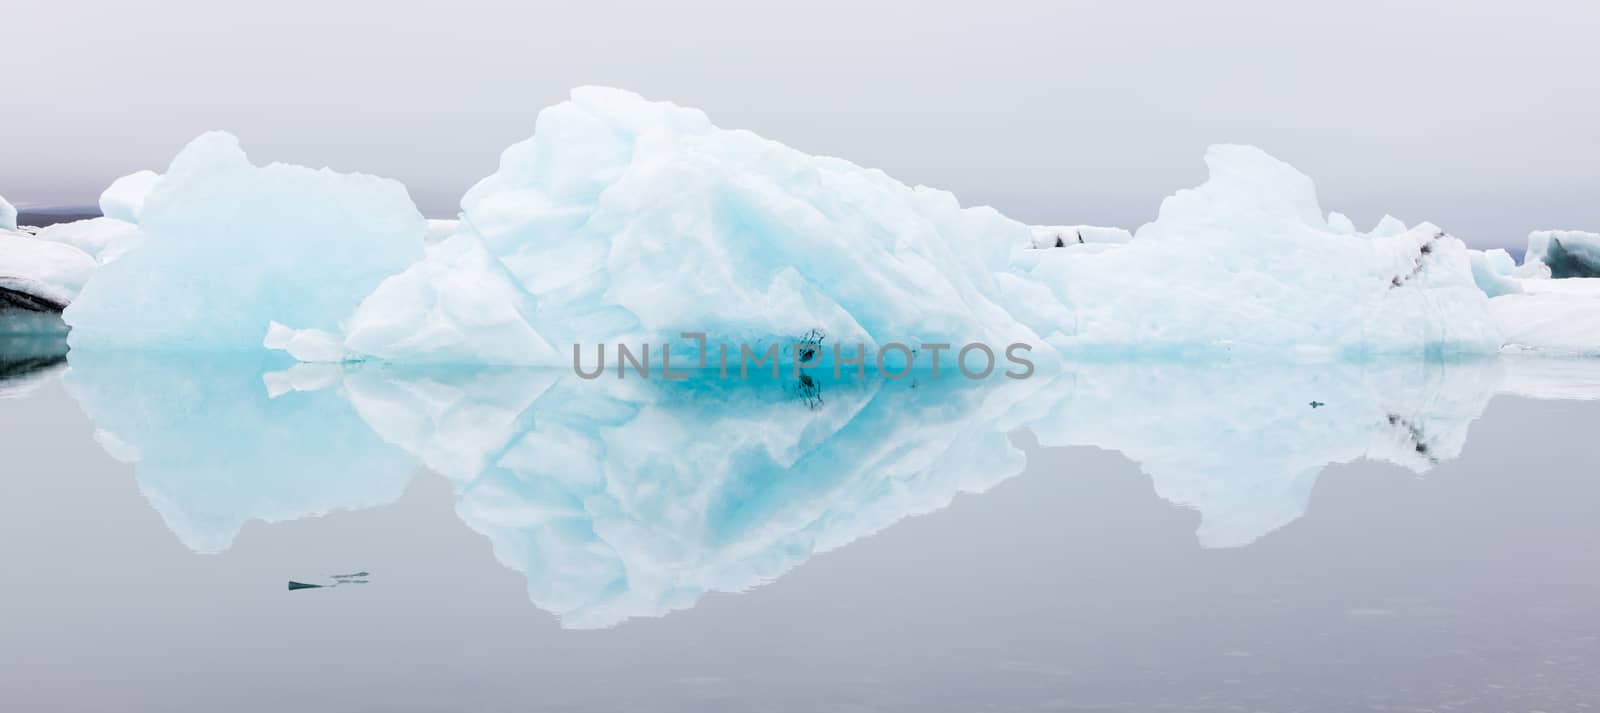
<point>1116,537</point>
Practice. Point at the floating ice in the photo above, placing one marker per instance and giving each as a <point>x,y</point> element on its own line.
<point>624,220</point>
<point>1552,316</point>
<point>40,274</point>
<point>1060,236</point>
<point>630,220</point>
<point>124,199</point>
<point>307,345</point>
<point>229,247</point>
<point>457,305</point>
<point>1245,264</point>
<point>1567,253</point>
<point>104,239</point>
<point>1492,271</point>
<point>8,215</point>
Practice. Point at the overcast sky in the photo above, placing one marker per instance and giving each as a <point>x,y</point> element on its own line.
<point>1481,116</point>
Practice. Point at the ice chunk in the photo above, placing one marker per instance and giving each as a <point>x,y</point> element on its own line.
<point>229,247</point>
<point>632,220</point>
<point>1492,271</point>
<point>45,275</point>
<point>457,305</point>
<point>1245,264</point>
<point>438,230</point>
<point>308,345</point>
<point>1388,227</point>
<point>8,215</point>
<point>1058,236</point>
<point>1567,253</point>
<point>1340,223</point>
<point>124,199</point>
<point>104,239</point>
<point>1553,316</point>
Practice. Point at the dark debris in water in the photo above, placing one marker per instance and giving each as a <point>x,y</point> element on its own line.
<point>338,579</point>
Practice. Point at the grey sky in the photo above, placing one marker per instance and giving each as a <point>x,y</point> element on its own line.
<point>1481,116</point>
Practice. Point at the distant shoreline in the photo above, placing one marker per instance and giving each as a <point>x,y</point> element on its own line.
<point>41,217</point>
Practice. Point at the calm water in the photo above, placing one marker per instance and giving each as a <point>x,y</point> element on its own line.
<point>1136,537</point>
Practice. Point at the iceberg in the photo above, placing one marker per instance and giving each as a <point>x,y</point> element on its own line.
<point>1552,316</point>
<point>8,215</point>
<point>1565,253</point>
<point>1246,265</point>
<point>1061,236</point>
<point>104,239</point>
<point>124,198</point>
<point>1492,270</point>
<point>229,247</point>
<point>625,220</point>
<point>41,275</point>
<point>629,221</point>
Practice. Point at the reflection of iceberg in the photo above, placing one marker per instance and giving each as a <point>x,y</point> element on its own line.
<point>27,360</point>
<point>622,498</point>
<point>211,450</point>
<point>1244,445</point>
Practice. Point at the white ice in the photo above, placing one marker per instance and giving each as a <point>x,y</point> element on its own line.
<point>104,239</point>
<point>124,199</point>
<point>1246,265</point>
<point>49,271</point>
<point>625,220</point>
<point>229,247</point>
<point>1556,317</point>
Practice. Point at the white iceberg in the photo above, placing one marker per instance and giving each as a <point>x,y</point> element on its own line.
<point>624,220</point>
<point>104,239</point>
<point>229,247</point>
<point>43,275</point>
<point>1551,316</point>
<point>1245,264</point>
<point>124,198</point>
<point>1061,236</point>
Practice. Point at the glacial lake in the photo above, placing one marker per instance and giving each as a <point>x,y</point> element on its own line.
<point>1390,536</point>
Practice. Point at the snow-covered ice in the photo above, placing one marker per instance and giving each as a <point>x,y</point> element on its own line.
<point>229,247</point>
<point>51,273</point>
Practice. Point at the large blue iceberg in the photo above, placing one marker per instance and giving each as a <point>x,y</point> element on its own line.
<point>623,220</point>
